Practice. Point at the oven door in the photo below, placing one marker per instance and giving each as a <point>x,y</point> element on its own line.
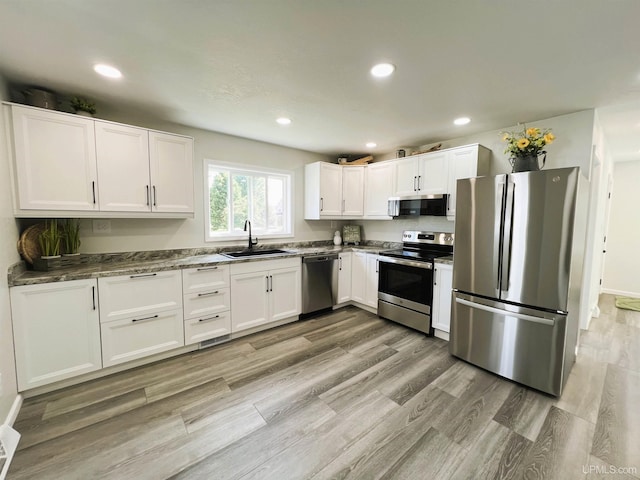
<point>406,283</point>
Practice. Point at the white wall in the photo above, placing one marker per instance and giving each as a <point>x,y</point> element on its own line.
<point>157,234</point>
<point>8,256</point>
<point>622,262</point>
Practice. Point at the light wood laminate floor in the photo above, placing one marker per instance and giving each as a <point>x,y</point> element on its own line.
<point>342,395</point>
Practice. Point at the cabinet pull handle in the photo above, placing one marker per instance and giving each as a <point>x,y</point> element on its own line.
<point>377,264</point>
<point>202,269</point>
<point>209,293</point>
<point>271,283</point>
<point>209,318</point>
<point>143,275</point>
<point>93,191</point>
<point>414,183</point>
<point>339,263</point>
<point>154,196</point>
<point>93,296</point>
<point>435,276</point>
<point>267,277</point>
<point>344,205</point>
<point>321,204</point>
<point>145,318</point>
<point>419,178</point>
<point>147,195</point>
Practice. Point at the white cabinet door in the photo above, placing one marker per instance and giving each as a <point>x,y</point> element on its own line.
<point>379,186</point>
<point>330,189</point>
<point>344,277</point>
<point>432,176</point>
<point>131,338</point>
<point>249,300</point>
<point>359,277</point>
<point>353,191</point>
<point>123,167</point>
<point>200,329</point>
<point>56,331</point>
<point>371,284</point>
<point>406,176</point>
<point>463,163</point>
<point>443,281</point>
<point>171,165</point>
<point>139,295</point>
<point>285,293</point>
<point>55,160</point>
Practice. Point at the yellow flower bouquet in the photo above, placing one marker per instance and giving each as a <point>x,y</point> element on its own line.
<point>527,145</point>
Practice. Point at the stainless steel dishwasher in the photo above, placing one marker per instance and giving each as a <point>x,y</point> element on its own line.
<point>319,278</point>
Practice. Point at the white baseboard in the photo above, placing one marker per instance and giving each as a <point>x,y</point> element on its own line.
<point>9,438</point>
<point>621,292</point>
<point>13,412</point>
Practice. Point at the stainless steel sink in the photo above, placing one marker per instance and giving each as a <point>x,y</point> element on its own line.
<point>253,253</point>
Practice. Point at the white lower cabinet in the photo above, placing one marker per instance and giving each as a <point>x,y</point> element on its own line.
<point>132,338</point>
<point>140,315</point>
<point>344,277</point>
<point>56,331</point>
<point>264,292</point>
<point>364,278</point>
<point>207,300</point>
<point>442,285</point>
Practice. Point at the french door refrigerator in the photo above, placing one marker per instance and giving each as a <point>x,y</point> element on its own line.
<point>517,273</point>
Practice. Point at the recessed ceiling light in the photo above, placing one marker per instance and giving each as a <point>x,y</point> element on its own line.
<point>372,145</point>
<point>107,71</point>
<point>382,70</point>
<point>462,121</point>
<point>283,121</point>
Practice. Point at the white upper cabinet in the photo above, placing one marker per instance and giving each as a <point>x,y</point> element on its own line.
<point>464,162</point>
<point>424,174</point>
<point>67,163</point>
<point>333,191</point>
<point>123,167</point>
<point>378,187</point>
<point>171,165</point>
<point>55,161</point>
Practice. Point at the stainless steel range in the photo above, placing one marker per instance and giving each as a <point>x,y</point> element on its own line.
<point>405,278</point>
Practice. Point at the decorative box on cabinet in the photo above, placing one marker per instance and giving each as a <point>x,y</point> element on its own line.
<point>264,292</point>
<point>56,331</point>
<point>207,301</point>
<point>140,315</point>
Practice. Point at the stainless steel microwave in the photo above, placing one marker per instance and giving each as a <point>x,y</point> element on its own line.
<point>435,205</point>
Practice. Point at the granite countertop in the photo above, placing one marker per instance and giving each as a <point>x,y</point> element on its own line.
<point>446,260</point>
<point>143,262</point>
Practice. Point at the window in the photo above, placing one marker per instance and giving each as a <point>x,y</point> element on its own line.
<point>234,194</point>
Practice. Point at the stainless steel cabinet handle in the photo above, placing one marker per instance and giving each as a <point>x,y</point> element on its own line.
<point>339,263</point>
<point>93,296</point>
<point>201,269</point>
<point>415,189</point>
<point>154,196</point>
<point>147,195</point>
<point>321,204</point>
<point>208,293</point>
<point>435,277</point>
<point>271,283</point>
<point>267,277</point>
<point>143,275</point>
<point>142,319</point>
<point>208,318</point>
<point>93,190</point>
<point>419,178</point>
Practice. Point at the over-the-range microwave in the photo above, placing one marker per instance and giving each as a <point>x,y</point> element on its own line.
<point>435,205</point>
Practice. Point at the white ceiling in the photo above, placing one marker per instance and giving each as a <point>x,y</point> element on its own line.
<point>233,66</point>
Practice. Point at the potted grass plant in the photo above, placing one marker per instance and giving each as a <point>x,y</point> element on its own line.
<point>49,241</point>
<point>71,237</point>
<point>82,106</point>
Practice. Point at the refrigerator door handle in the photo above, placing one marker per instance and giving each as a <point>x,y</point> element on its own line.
<point>505,262</point>
<point>499,236</point>
<point>520,316</point>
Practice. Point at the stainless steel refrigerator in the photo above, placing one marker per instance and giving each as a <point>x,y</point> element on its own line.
<point>517,274</point>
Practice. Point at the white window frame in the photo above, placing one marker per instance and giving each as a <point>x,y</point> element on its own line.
<point>248,169</point>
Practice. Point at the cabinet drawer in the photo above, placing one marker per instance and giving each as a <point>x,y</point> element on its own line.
<point>264,265</point>
<point>206,303</point>
<point>205,278</point>
<point>131,338</point>
<point>127,296</point>
<point>199,329</point>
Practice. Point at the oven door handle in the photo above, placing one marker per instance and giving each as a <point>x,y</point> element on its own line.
<point>409,263</point>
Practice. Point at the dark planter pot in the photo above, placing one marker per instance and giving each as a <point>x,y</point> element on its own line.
<point>527,163</point>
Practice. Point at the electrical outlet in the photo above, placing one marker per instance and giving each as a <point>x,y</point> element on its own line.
<point>102,226</point>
